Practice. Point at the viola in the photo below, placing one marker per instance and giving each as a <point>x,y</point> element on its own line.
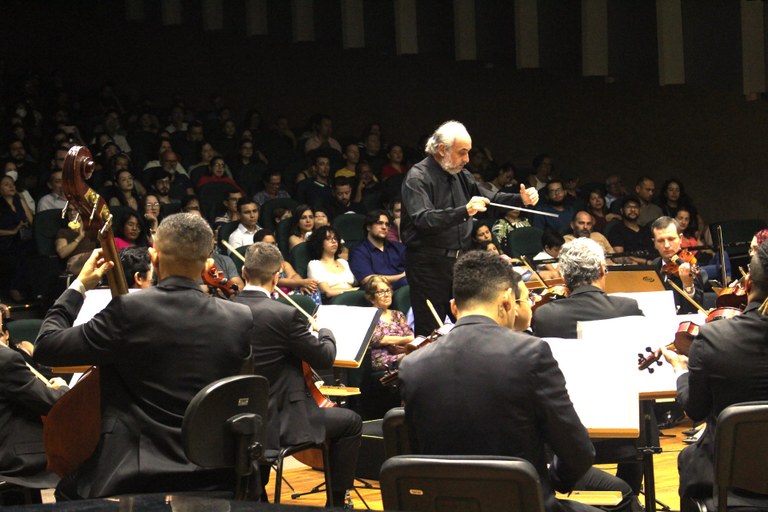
<point>73,425</point>
<point>734,296</point>
<point>215,278</point>
<point>391,377</point>
<point>683,256</point>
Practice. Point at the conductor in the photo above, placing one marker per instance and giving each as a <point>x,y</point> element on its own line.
<point>440,198</point>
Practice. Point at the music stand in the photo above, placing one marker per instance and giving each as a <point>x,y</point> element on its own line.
<point>633,278</point>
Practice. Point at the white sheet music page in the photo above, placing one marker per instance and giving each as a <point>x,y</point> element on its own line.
<point>600,382</point>
<point>352,327</point>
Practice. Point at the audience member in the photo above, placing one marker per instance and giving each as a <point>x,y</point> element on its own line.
<point>290,281</point>
<point>248,210</point>
<point>629,237</point>
<point>342,200</point>
<point>672,197</point>
<point>217,174</point>
<point>321,137</point>
<point>552,242</point>
<point>16,243</point>
<point>231,212</point>
<point>392,330</point>
<point>614,192</point>
<point>597,208</point>
<point>581,227</point>
<point>125,192</point>
<point>331,272</point>
<point>504,180</point>
<point>74,245</point>
<point>542,171</point>
<point>376,255</point>
<point>316,191</point>
<point>272,188</point>
<point>137,267</point>
<point>511,220</point>
<point>557,204</point>
<point>130,231</point>
<point>302,224</point>
<point>395,164</point>
<point>645,188</point>
<point>351,159</point>
<point>55,199</point>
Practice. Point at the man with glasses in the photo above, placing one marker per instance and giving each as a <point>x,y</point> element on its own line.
<point>376,255</point>
<point>556,203</point>
<point>272,188</point>
<point>279,347</point>
<point>230,209</point>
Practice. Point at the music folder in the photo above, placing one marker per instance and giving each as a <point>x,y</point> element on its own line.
<point>352,327</point>
<point>632,278</point>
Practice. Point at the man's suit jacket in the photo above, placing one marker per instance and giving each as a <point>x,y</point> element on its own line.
<point>487,390</point>
<point>684,307</point>
<point>728,364</point>
<point>558,319</point>
<point>23,399</point>
<point>280,342</point>
<point>156,349</point>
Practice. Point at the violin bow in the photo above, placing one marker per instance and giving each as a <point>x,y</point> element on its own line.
<point>533,271</point>
<point>722,255</point>
<point>685,295</point>
<point>434,313</point>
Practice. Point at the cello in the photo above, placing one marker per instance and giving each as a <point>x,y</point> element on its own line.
<point>73,426</point>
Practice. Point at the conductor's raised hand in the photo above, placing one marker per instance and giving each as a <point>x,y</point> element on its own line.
<point>476,205</point>
<point>94,269</point>
<point>529,195</point>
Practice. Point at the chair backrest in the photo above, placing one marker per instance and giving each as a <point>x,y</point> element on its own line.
<point>239,261</point>
<point>397,436</point>
<point>524,242</point>
<point>25,329</point>
<point>401,300</point>
<point>207,437</point>
<point>353,298</point>
<point>741,449</point>
<point>467,483</point>
<point>46,226</point>
<point>305,302</point>
<point>212,196</point>
<point>299,258</point>
<point>737,231</point>
<point>265,215</point>
<point>224,231</point>
<point>282,234</point>
<point>351,227</point>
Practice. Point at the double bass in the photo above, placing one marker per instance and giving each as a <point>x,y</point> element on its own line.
<point>73,425</point>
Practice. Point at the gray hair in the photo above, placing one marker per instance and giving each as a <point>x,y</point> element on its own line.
<point>581,262</point>
<point>446,134</point>
<point>262,261</point>
<point>185,237</point>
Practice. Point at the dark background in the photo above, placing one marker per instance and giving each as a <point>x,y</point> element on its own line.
<point>703,132</point>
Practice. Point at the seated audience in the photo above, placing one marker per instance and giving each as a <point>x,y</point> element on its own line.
<point>272,188</point>
<point>290,281</point>
<point>248,209</point>
<point>376,255</point>
<point>395,162</point>
<point>302,224</point>
<point>392,330</point>
<point>331,272</point>
<point>551,242</point>
<point>511,220</point>
<point>217,174</point>
<point>597,208</point>
<point>130,231</point>
<point>73,244</point>
<point>16,240</point>
<point>629,237</point>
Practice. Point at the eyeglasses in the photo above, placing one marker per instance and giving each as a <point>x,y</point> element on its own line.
<point>152,205</point>
<point>531,300</point>
<point>383,293</point>
<point>332,239</point>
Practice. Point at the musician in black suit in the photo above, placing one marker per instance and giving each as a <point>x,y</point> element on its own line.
<point>155,349</point>
<point>666,238</point>
<point>727,364</point>
<point>583,267</point>
<point>24,398</point>
<point>484,389</point>
<point>280,342</point>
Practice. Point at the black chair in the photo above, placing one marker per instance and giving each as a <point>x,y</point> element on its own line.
<point>298,257</point>
<point>25,490</point>
<point>282,234</point>
<point>741,450</point>
<point>524,242</point>
<point>212,196</point>
<point>268,208</point>
<point>351,228</point>
<point>398,439</point>
<point>460,482</point>
<point>45,228</point>
<point>224,231</point>
<point>352,298</point>
<point>737,232</point>
<point>225,426</point>
<point>276,459</point>
<point>401,299</point>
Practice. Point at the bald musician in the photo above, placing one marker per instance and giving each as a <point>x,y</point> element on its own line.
<point>155,350</point>
<point>513,399</point>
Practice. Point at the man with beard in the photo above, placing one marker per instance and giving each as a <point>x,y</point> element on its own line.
<point>377,255</point>
<point>629,236</point>
<point>556,203</point>
<point>581,226</point>
<point>161,186</point>
<point>440,198</point>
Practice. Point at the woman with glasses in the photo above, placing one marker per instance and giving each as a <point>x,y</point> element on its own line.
<point>331,272</point>
<point>217,173</point>
<point>392,331</point>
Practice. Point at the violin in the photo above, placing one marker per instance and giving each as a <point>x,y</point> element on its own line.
<point>684,336</point>
<point>735,295</point>
<point>548,295</point>
<point>391,377</point>
<point>215,278</point>
<point>683,256</point>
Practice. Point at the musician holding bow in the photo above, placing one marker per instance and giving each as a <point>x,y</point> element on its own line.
<point>440,198</point>
<point>666,238</point>
<point>155,349</point>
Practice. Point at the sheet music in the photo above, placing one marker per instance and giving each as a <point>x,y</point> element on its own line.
<point>653,304</point>
<point>352,327</point>
<point>599,406</point>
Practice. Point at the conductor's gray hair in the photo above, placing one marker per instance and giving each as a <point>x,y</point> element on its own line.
<point>581,262</point>
<point>446,133</point>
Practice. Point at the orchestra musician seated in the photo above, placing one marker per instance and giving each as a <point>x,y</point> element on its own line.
<point>673,269</point>
<point>513,398</point>
<point>726,365</point>
<point>25,396</point>
<point>280,342</point>
<point>153,357</point>
<point>583,267</point>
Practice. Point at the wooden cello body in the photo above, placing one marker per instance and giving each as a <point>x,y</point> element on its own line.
<point>73,426</point>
